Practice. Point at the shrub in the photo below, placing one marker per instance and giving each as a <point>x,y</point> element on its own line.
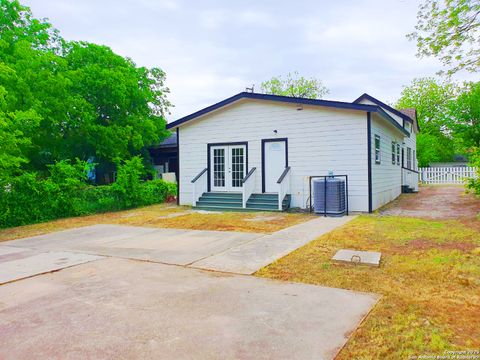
<point>66,181</point>
<point>128,182</point>
<point>29,198</point>
<point>154,191</point>
<point>474,184</point>
<point>98,199</point>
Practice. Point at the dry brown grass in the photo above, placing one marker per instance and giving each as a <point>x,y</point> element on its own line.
<point>429,280</point>
<point>167,216</point>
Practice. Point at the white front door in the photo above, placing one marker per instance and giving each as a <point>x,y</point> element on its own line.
<point>275,161</point>
<point>227,167</point>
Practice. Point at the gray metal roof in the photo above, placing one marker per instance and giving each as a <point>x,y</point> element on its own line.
<point>170,141</point>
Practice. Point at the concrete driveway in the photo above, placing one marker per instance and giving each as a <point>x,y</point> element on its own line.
<point>104,303</point>
<point>228,251</point>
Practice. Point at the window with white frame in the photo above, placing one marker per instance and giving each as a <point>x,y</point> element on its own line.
<point>393,153</point>
<point>398,154</point>
<point>377,150</point>
<point>409,158</point>
<point>408,126</point>
<point>414,160</point>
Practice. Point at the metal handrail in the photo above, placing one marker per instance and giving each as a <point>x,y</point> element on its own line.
<point>285,172</point>
<point>252,170</point>
<point>199,175</point>
<point>405,168</point>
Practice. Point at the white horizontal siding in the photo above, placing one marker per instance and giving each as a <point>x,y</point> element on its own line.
<point>319,140</point>
<point>411,142</point>
<point>394,116</point>
<point>386,176</point>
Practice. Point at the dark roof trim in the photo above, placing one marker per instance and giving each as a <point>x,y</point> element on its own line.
<point>293,100</point>
<point>392,121</point>
<point>382,104</point>
<point>285,99</point>
<point>169,142</point>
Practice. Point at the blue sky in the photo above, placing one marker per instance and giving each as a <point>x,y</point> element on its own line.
<point>213,49</point>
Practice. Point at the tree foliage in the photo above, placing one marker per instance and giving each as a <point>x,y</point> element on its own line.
<point>464,121</point>
<point>431,99</point>
<point>448,115</point>
<point>295,86</point>
<point>474,183</point>
<point>449,30</point>
<point>61,192</point>
<point>89,102</point>
<point>62,105</point>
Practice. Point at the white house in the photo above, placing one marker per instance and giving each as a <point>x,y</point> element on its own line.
<point>259,151</point>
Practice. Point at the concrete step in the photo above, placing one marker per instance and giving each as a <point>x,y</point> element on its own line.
<point>219,204</point>
<point>219,199</point>
<point>264,196</point>
<point>223,194</point>
<point>223,208</point>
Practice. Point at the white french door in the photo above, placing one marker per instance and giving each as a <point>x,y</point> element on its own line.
<point>227,167</point>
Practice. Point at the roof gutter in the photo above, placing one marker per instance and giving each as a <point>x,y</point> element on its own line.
<point>276,98</point>
<point>292,100</point>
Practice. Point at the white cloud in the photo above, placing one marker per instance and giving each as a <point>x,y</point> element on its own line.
<point>213,19</point>
<point>213,49</point>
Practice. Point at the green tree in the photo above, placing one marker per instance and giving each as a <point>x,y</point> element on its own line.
<point>295,86</point>
<point>16,129</point>
<point>123,105</point>
<point>90,101</point>
<point>474,183</point>
<point>449,30</point>
<point>465,117</point>
<point>432,100</point>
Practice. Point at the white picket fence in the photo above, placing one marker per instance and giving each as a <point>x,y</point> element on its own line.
<point>446,175</point>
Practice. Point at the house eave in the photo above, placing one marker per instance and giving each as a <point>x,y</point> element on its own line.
<point>382,104</point>
<point>275,98</point>
<point>287,99</point>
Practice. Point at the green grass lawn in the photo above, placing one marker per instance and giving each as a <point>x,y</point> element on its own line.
<point>429,280</point>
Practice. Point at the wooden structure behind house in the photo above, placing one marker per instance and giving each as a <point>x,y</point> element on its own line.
<point>164,156</point>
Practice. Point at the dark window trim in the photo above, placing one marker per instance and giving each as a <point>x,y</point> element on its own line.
<point>398,153</point>
<point>209,145</point>
<point>264,141</point>
<point>379,161</point>
<point>369,163</point>
<point>394,152</point>
<point>409,152</point>
<point>178,166</point>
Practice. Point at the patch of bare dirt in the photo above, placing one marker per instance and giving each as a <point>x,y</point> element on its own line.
<point>436,202</point>
<point>261,218</point>
<point>424,245</point>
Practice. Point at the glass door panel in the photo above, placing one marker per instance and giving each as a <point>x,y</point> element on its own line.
<point>228,166</point>
<point>237,156</point>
